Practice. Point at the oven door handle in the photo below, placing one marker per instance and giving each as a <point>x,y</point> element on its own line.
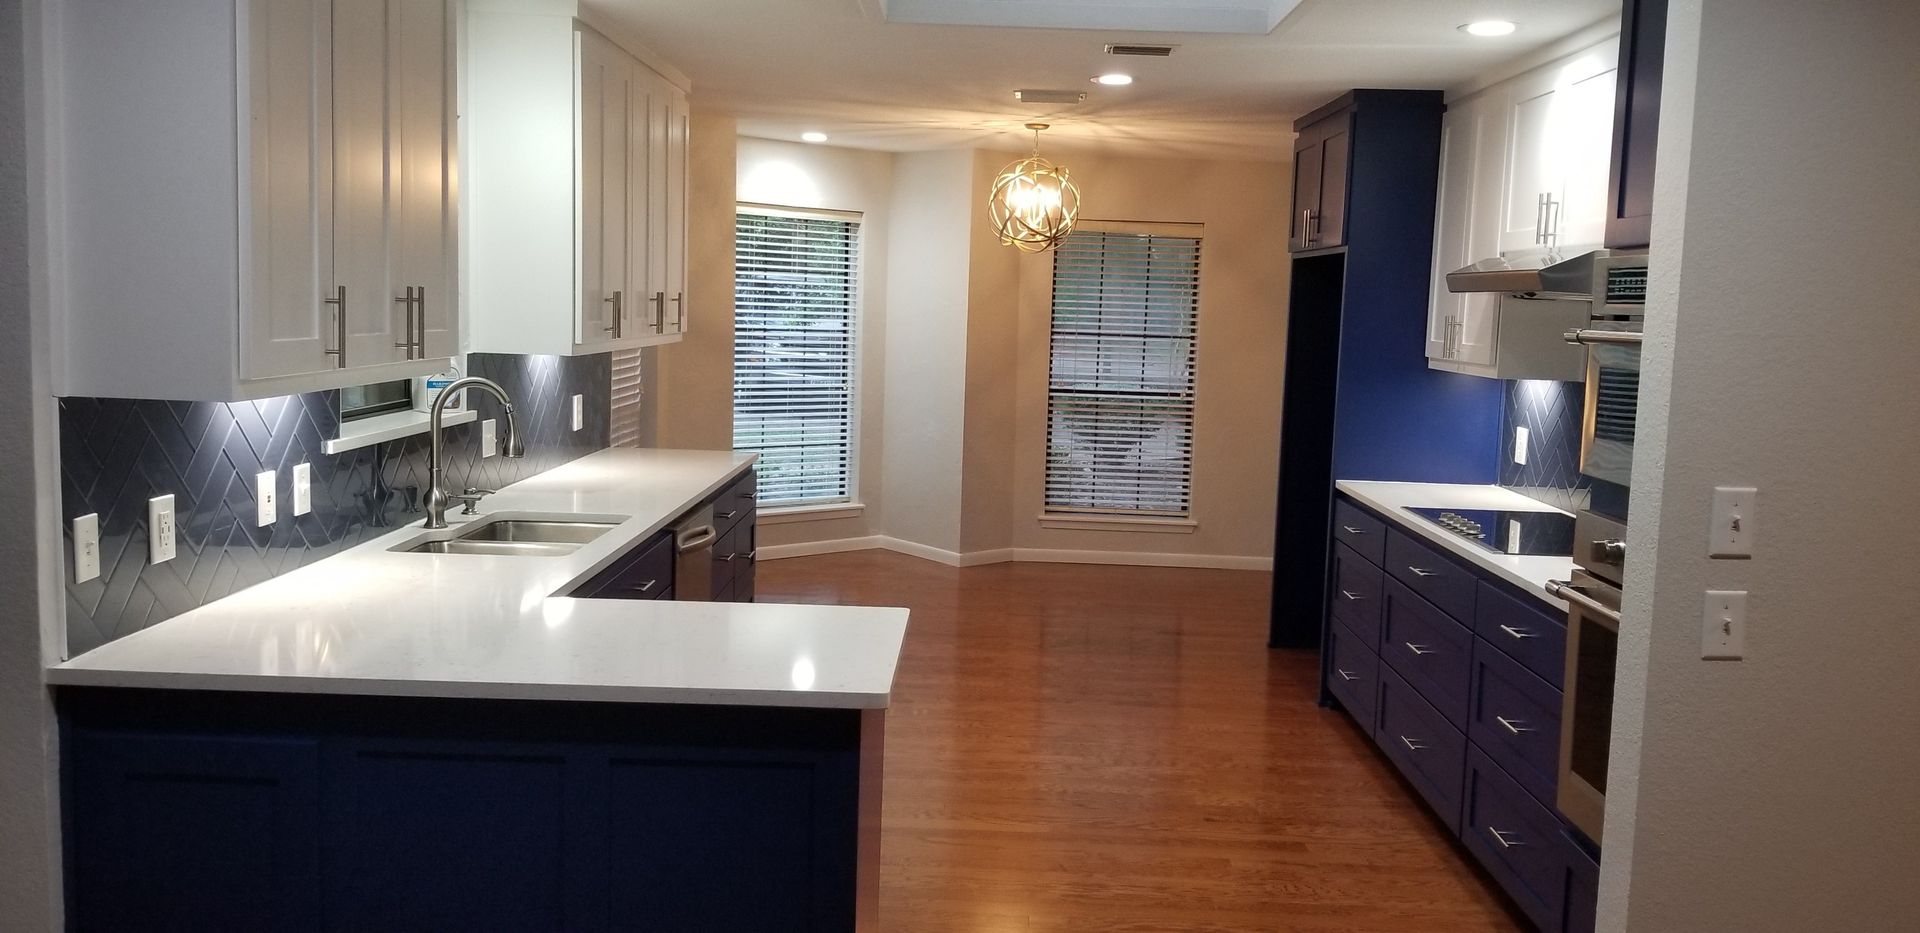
<point>1565,589</point>
<point>1585,337</point>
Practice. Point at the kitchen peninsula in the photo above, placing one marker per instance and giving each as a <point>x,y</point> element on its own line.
<point>394,738</point>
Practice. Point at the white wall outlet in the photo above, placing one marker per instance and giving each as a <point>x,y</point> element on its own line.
<point>1736,519</point>
<point>489,439</point>
<point>160,529</point>
<point>302,488</point>
<point>86,547</point>
<point>1723,626</point>
<point>1520,444</point>
<point>579,411</point>
<point>263,498</point>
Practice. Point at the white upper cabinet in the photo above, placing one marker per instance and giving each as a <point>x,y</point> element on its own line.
<point>285,222</point>
<point>576,188</point>
<point>1558,140</point>
<point>1523,170</point>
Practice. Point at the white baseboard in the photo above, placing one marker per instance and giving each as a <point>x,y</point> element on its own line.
<point>1016,555</point>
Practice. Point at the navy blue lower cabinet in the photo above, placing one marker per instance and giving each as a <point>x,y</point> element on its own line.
<point>1353,676</point>
<point>1514,717</point>
<point>1432,651</point>
<point>1525,630</point>
<point>1356,596</point>
<point>1422,744</point>
<point>1519,841</point>
<point>216,811</point>
<point>1582,887</point>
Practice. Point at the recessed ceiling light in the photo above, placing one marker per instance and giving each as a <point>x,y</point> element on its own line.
<point>812,136</point>
<point>1489,27</point>
<point>1113,80</point>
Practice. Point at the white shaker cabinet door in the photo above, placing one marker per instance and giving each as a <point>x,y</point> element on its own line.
<point>1586,148</point>
<point>679,143</point>
<point>287,326</point>
<point>362,221</point>
<point>1535,181</point>
<point>1451,218</point>
<point>421,162</point>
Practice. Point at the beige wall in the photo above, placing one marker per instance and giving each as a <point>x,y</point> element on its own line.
<point>1242,335</point>
<point>1776,793</point>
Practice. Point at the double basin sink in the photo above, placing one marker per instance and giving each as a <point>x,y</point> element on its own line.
<point>514,535</point>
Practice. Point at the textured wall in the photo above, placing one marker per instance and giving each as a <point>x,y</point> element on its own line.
<point>1551,412</point>
<point>117,453</point>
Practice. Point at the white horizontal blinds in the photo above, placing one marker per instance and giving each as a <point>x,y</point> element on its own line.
<point>795,281</point>
<point>1121,384</point>
<point>626,398</point>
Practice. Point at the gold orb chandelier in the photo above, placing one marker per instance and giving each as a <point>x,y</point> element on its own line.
<point>1033,203</point>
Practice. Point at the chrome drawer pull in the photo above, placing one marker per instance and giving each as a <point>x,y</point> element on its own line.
<point>1349,678</point>
<point>1412,744</point>
<point>1501,838</point>
<point>750,555</point>
<point>1513,725</point>
<point>1418,650</point>
<point>1349,529</point>
<point>646,587</point>
<point>1350,597</point>
<point>1517,632</point>
<point>724,516</point>
<point>1423,574</point>
<point>729,558</point>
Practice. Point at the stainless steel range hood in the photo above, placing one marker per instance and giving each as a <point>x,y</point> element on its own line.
<point>1543,275</point>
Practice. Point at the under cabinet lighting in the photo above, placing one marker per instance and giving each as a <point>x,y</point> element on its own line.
<point>1489,28</point>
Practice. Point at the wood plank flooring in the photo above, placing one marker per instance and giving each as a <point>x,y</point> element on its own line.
<point>1078,748</point>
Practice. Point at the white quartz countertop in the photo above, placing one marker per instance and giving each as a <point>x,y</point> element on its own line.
<point>1394,499</point>
<point>373,621</point>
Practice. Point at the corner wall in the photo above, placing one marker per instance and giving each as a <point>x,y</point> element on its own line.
<point>1776,793</point>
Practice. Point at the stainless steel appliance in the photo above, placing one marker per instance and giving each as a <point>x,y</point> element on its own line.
<point>693,539</point>
<point>1593,640</point>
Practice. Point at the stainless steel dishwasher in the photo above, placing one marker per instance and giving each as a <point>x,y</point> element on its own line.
<point>693,538</point>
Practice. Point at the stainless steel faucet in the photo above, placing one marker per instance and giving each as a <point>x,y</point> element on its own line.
<point>510,446</point>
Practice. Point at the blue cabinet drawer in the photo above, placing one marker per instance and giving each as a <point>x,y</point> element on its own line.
<point>1424,570</point>
<point>1433,652</point>
<point>1583,888</point>
<point>1423,745</point>
<point>645,572</point>
<point>1529,631</point>
<point>1353,673</point>
<point>1359,530</point>
<point>1518,840</point>
<point>1514,717</point>
<point>736,502</point>
<point>1356,594</point>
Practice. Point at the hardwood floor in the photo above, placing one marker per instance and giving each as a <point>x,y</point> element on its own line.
<point>1077,748</point>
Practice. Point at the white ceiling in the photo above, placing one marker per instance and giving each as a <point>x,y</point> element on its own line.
<point>1252,17</point>
<point>784,67</point>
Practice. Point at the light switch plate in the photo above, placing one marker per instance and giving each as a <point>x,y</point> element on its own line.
<point>489,442</point>
<point>579,411</point>
<point>86,547</point>
<point>302,488</point>
<point>1520,444</point>
<point>263,497</point>
<point>160,529</point>
<point>1736,518</point>
<point>1723,626</point>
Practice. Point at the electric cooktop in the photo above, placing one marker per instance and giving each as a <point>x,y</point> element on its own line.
<point>1535,534</point>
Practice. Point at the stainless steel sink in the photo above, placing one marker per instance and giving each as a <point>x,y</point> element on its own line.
<point>514,536</point>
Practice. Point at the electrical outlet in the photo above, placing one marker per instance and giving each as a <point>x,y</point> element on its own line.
<point>302,488</point>
<point>1736,517</point>
<point>86,547</point>
<point>1520,444</point>
<point>489,439</point>
<point>1723,626</point>
<point>579,411</point>
<point>160,530</point>
<point>263,498</point>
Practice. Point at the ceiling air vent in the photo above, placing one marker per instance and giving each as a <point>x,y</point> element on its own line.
<point>1148,51</point>
<point>1029,95</point>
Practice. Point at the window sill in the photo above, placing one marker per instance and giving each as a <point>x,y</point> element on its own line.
<point>1065,520</point>
<point>388,427</point>
<point>810,513</point>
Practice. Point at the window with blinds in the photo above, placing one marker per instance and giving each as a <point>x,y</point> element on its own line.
<point>1120,385</point>
<point>795,290</point>
<point>625,428</point>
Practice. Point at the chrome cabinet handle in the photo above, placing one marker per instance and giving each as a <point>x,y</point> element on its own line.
<point>751,555</point>
<point>1419,650</point>
<point>1349,678</point>
<point>749,495</point>
<point>1554,210</point>
<point>1304,214</point>
<point>1540,219</point>
<point>1513,725</point>
<point>420,329</point>
<point>1565,589</point>
<point>1423,574</point>
<point>679,309</point>
<point>646,587</point>
<point>619,313</point>
<point>729,558</point>
<point>729,514</point>
<point>1349,529</point>
<point>1517,633</point>
<point>1350,597</point>
<point>659,312</point>
<point>406,302</point>
<point>339,302</point>
<point>1501,838</point>
<point>1413,745</point>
